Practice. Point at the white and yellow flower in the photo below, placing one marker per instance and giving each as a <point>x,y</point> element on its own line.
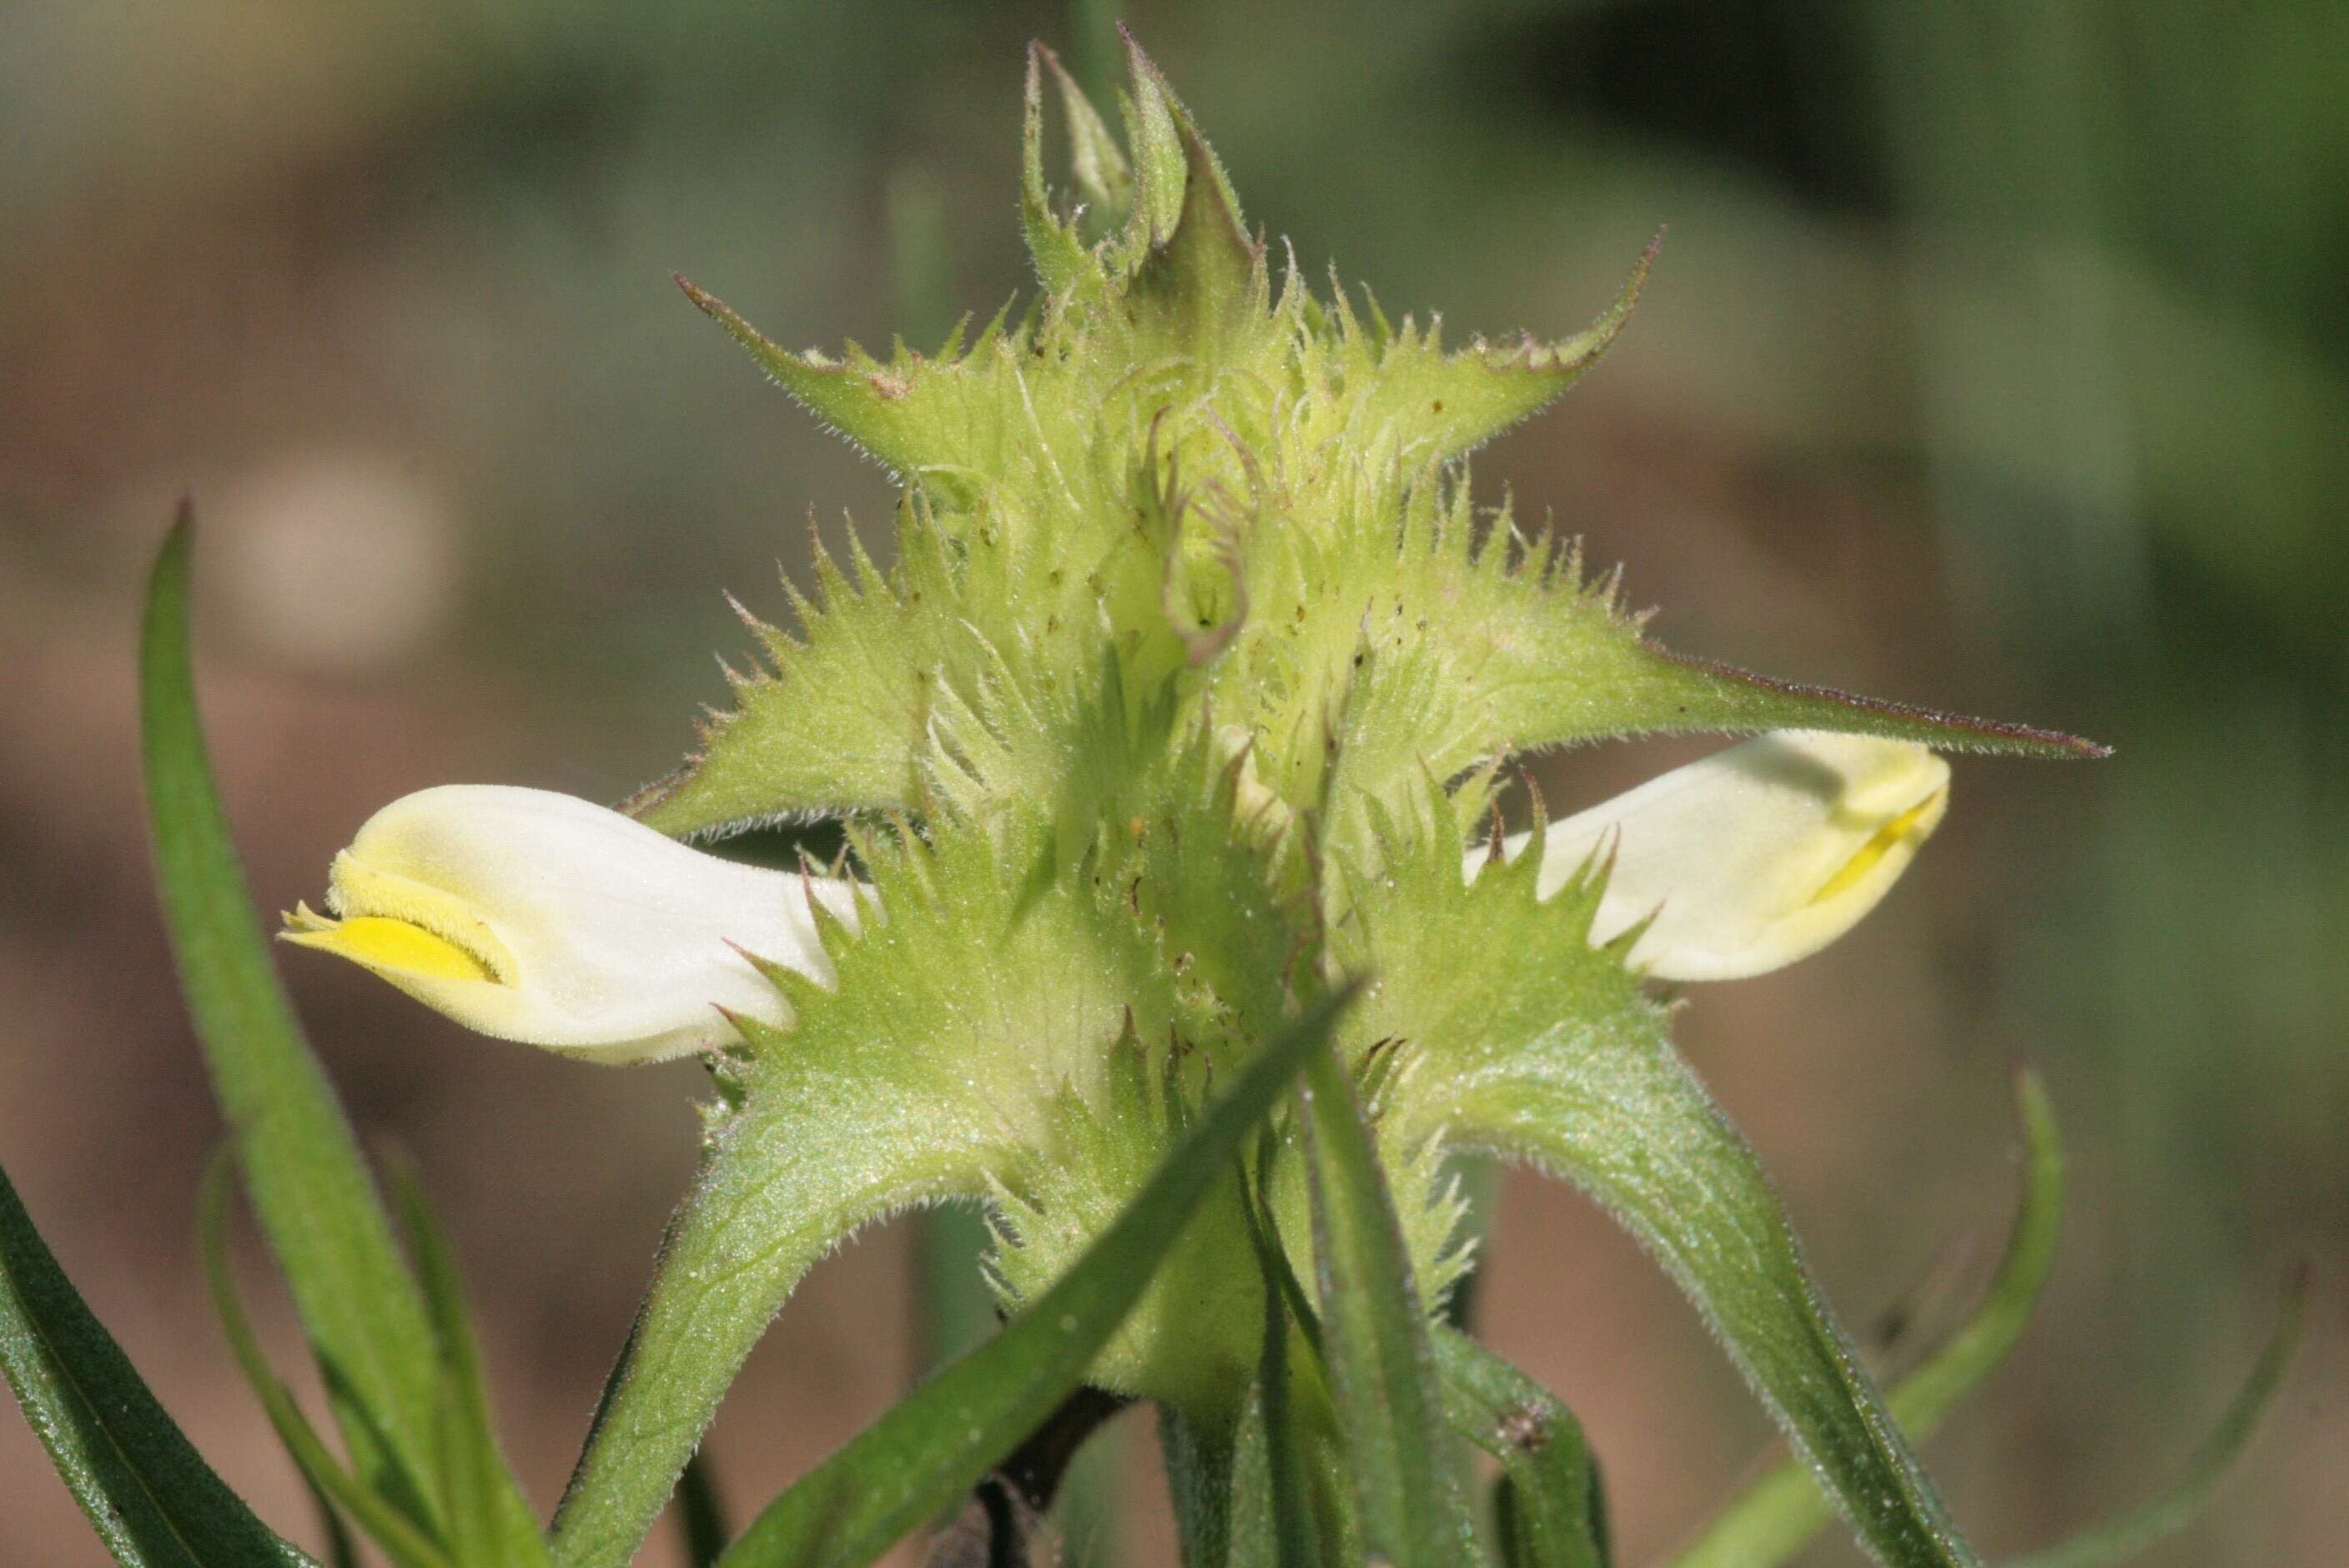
<point>533,916</point>
<point>1754,857</point>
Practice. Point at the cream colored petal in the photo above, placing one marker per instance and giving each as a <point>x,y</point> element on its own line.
<point>1756,856</point>
<point>539,917</point>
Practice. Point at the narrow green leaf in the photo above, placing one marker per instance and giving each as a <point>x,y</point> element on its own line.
<point>1774,1517</point>
<point>1561,1515</point>
<point>1219,1484</point>
<point>1545,1466</point>
<point>1258,1532</point>
<point>1629,1123</point>
<point>938,1442</point>
<point>1602,1525</point>
<point>316,1204</point>
<point>1236,1484</point>
<point>1374,1337</point>
<point>489,1519</point>
<point>1511,648</point>
<point>1295,1538</point>
<point>148,1494</point>
<point>2133,1534</point>
<point>342,1551</point>
<point>406,1542</point>
<point>1648,690</point>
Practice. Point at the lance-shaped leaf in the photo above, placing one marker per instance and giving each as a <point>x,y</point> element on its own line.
<point>1292,1525</point>
<point>936,1444</point>
<point>1375,1339</point>
<point>1647,689</point>
<point>1553,1514</point>
<point>1221,1483</point>
<point>361,1309</point>
<point>1511,650</point>
<point>1549,1487</point>
<point>1440,647</point>
<point>2122,1538</point>
<point>148,1494</point>
<point>489,1519</point>
<point>1629,1124</point>
<point>1773,1519</point>
<point>1525,1042</point>
<point>341,1551</point>
<point>408,1538</point>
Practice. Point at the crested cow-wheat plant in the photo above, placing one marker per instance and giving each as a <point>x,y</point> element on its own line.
<point>1176,934</point>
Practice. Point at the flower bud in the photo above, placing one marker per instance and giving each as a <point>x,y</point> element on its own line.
<point>1754,857</point>
<point>538,917</point>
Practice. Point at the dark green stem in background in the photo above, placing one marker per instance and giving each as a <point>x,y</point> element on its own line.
<point>701,1512</point>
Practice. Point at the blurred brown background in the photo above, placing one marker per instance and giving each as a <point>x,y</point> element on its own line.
<point>1998,359</point>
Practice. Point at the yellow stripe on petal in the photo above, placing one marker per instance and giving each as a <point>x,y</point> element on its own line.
<point>380,944</point>
<point>1912,826</point>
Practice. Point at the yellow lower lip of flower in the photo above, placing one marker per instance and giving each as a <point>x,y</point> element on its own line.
<point>382,944</point>
<point>1912,824</point>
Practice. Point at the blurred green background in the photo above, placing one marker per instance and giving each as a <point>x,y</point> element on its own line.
<point>1999,359</point>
